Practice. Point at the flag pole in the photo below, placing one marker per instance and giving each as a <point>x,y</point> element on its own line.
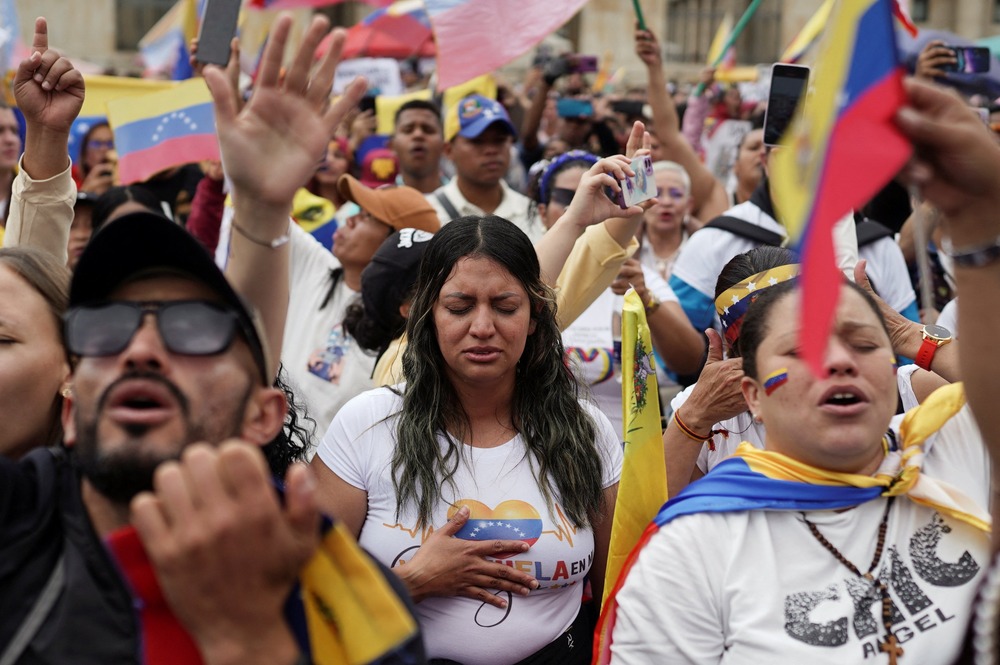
<point>920,249</point>
<point>638,15</point>
<point>733,36</point>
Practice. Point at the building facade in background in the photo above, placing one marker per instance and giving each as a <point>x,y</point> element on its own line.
<point>106,32</point>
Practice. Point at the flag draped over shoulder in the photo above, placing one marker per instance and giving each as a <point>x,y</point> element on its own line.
<point>479,36</point>
<point>643,486</point>
<point>841,148</point>
<point>163,129</point>
<point>754,479</point>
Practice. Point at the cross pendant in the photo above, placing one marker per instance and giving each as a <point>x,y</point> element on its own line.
<point>891,647</point>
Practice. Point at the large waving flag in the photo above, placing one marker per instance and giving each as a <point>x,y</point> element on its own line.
<point>479,36</point>
<point>643,486</point>
<point>164,49</point>
<point>164,129</point>
<point>727,59</point>
<point>841,148</point>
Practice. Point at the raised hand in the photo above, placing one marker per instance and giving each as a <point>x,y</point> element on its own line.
<point>717,395</point>
<point>47,88</point>
<point>226,552</point>
<point>449,566</point>
<point>271,147</point>
<point>648,48</point>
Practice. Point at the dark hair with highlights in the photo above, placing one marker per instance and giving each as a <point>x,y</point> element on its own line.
<point>558,433</point>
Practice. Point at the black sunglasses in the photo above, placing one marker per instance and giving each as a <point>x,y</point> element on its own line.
<point>187,327</point>
<point>561,196</point>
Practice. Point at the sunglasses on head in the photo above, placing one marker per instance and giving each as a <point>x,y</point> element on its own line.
<point>187,327</point>
<point>561,196</point>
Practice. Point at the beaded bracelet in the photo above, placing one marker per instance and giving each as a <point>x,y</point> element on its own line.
<point>270,244</point>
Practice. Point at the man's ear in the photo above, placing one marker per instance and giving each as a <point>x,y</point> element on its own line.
<point>447,148</point>
<point>751,393</point>
<point>265,415</point>
<point>404,308</point>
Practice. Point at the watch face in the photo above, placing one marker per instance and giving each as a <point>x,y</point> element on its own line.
<point>937,332</point>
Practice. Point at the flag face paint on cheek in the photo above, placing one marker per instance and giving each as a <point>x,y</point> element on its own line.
<point>775,380</point>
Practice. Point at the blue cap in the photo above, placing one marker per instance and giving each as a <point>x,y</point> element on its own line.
<point>471,116</point>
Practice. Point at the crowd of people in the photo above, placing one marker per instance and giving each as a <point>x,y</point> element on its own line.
<point>322,403</point>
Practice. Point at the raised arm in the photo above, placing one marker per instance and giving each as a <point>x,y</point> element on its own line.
<point>269,150</point>
<point>958,171</point>
<point>49,92</point>
<point>708,194</point>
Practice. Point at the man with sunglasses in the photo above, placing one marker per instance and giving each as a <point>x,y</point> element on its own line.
<point>155,534</point>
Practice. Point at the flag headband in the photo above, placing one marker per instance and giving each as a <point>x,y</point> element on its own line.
<point>732,304</point>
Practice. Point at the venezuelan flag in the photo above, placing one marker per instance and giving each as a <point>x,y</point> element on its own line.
<point>841,148</point>
<point>164,129</point>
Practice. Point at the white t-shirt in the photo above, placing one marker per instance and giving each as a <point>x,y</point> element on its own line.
<point>514,207</point>
<point>493,481</point>
<point>589,347</point>
<point>743,428</point>
<point>757,587</point>
<point>325,364</point>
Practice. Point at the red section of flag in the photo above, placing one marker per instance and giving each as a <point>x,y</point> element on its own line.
<point>141,164</point>
<point>850,178</point>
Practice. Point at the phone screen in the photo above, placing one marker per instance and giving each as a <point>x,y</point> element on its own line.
<point>788,84</point>
<point>585,64</point>
<point>218,27</point>
<point>568,107</point>
<point>971,59</point>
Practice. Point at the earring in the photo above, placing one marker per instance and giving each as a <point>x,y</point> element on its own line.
<point>756,418</point>
<point>66,391</point>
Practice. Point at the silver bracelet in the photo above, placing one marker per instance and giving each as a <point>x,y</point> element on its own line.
<point>270,244</point>
<point>977,256</point>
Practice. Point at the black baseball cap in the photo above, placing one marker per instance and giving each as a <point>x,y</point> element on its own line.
<point>388,278</point>
<point>145,241</point>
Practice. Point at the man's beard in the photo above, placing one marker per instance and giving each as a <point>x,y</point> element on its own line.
<point>123,473</point>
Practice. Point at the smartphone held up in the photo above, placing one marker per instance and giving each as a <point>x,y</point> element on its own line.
<point>637,188</point>
<point>218,27</point>
<point>788,87</point>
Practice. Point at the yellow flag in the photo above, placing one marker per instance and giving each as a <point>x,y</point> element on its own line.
<point>386,108</point>
<point>719,40</point>
<point>642,490</point>
<point>484,85</point>
<point>103,89</point>
<point>807,36</point>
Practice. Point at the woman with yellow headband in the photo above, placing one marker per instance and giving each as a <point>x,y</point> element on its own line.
<point>834,545</point>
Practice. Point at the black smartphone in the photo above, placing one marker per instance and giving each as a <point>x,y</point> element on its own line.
<point>367,103</point>
<point>584,64</point>
<point>788,85</point>
<point>628,107</point>
<point>218,27</point>
<point>969,59</point>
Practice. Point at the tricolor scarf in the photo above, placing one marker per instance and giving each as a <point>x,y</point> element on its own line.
<point>754,479</point>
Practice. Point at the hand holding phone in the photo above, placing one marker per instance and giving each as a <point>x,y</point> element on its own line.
<point>637,188</point>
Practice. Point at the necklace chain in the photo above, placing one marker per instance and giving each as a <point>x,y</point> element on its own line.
<point>889,645</point>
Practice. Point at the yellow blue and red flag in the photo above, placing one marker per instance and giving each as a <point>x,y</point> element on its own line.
<point>468,39</point>
<point>163,129</point>
<point>841,148</point>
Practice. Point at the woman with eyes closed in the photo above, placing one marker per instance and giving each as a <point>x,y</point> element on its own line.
<point>484,481</point>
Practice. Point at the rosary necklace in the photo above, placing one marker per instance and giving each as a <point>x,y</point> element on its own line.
<point>890,645</point>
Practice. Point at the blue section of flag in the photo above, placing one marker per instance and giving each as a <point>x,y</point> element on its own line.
<point>733,487</point>
<point>870,65</point>
<point>141,134</point>
<point>501,529</point>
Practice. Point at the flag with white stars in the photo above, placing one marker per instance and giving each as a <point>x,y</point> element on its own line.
<point>164,129</point>
<point>732,304</point>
